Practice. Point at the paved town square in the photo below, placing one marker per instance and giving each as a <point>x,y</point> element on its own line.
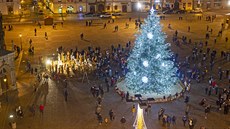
<point>77,109</point>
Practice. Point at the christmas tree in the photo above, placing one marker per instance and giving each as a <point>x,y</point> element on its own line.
<point>150,70</point>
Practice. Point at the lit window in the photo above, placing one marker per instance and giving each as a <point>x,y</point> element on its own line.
<point>115,7</point>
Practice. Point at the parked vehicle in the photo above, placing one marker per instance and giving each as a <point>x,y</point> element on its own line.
<point>168,12</point>
<point>106,15</point>
<point>90,14</point>
<point>116,14</point>
<point>180,11</point>
<point>197,10</point>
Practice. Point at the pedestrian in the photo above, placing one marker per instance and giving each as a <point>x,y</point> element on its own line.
<point>111,115</point>
<point>65,94</point>
<point>123,120</point>
<point>35,32</point>
<point>207,28</point>
<point>61,24</point>
<point>174,120</point>
<point>82,36</point>
<point>190,123</point>
<point>33,109</point>
<point>0,106</point>
<point>226,39</point>
<point>160,113</point>
<point>133,110</point>
<point>30,42</point>
<point>100,119</point>
<point>46,36</point>
<point>41,108</point>
<point>184,119</point>
<point>188,28</point>
<point>130,19</point>
<point>104,25</point>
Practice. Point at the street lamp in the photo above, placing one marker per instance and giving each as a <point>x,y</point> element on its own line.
<point>20,36</point>
<point>139,5</point>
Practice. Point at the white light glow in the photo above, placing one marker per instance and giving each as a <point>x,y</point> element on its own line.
<point>139,122</point>
<point>163,64</point>
<point>150,35</point>
<point>139,5</point>
<point>229,2</point>
<point>145,79</point>
<point>48,62</point>
<point>135,73</point>
<point>146,63</point>
<point>158,56</point>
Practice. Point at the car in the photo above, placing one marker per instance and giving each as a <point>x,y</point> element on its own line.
<point>89,14</point>
<point>197,10</point>
<point>116,14</point>
<point>180,11</point>
<point>168,12</point>
<point>106,15</point>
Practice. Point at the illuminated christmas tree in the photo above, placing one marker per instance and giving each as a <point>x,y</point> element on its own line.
<point>150,69</point>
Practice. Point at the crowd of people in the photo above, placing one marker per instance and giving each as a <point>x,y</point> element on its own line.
<point>203,65</point>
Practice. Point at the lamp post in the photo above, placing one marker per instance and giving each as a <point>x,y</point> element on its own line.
<point>6,87</point>
<point>139,10</point>
<point>20,36</point>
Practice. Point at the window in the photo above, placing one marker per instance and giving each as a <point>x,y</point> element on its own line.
<point>115,7</point>
<point>108,7</point>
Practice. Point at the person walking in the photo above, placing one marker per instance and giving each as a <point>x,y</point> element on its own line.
<point>173,120</point>
<point>104,25</point>
<point>188,28</point>
<point>33,109</point>
<point>133,110</point>
<point>35,32</point>
<point>41,108</point>
<point>82,36</point>
<point>184,119</point>
<point>111,115</point>
<point>123,121</point>
<point>65,93</point>
<point>46,36</point>
<point>100,119</point>
<point>160,113</point>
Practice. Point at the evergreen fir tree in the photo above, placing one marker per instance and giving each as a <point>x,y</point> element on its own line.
<point>150,69</point>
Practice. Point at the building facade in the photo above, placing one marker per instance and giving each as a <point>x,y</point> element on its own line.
<point>76,6</point>
<point>8,7</point>
<point>83,6</point>
<point>211,4</point>
<point>7,67</point>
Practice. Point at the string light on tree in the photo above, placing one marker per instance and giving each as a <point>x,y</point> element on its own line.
<point>155,73</point>
<point>145,79</point>
<point>150,35</point>
<point>158,56</point>
<point>146,63</point>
